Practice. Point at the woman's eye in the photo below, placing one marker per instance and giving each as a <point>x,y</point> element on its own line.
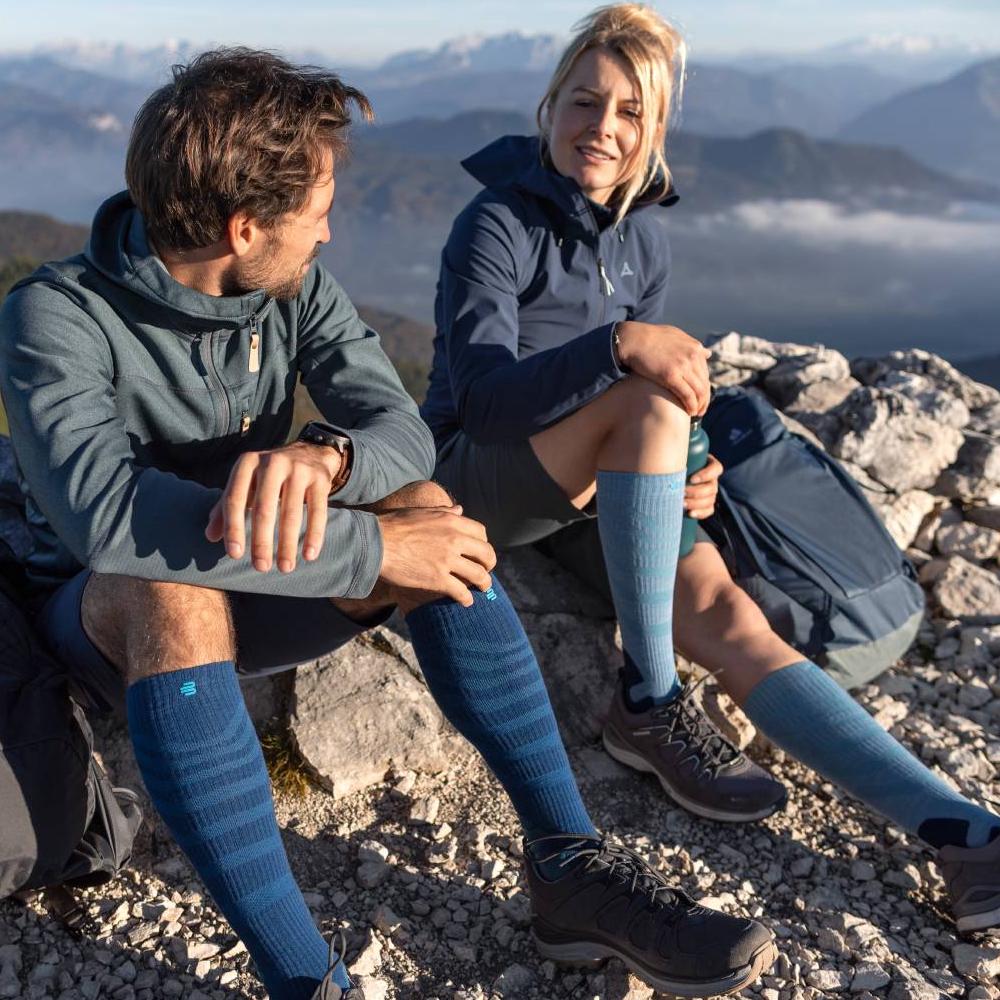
<point>632,113</point>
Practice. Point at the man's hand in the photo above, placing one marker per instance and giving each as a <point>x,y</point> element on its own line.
<point>702,489</point>
<point>435,551</point>
<point>669,357</point>
<point>276,485</point>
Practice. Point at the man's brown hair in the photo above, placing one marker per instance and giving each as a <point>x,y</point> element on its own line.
<point>236,130</point>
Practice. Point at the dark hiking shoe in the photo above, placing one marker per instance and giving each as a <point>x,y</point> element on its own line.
<point>697,766</point>
<point>608,903</point>
<point>328,989</point>
<point>972,875</point>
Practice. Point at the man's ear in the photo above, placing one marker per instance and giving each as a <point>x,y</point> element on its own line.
<point>244,233</point>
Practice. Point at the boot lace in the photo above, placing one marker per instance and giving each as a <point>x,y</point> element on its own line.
<point>618,862</point>
<point>682,721</point>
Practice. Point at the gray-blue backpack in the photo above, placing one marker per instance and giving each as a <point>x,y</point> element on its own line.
<point>799,536</point>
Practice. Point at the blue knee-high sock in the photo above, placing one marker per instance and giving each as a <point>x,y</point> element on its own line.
<point>204,770</point>
<point>483,673</point>
<point>639,518</point>
<point>806,713</point>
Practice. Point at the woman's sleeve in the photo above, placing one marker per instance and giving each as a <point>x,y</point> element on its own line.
<point>652,305</point>
<point>498,397</point>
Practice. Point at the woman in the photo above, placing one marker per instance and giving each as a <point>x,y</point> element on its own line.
<point>560,399</point>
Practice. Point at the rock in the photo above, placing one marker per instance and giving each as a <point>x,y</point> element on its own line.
<point>828,980</point>
<point>385,920</point>
<point>964,589</point>
<point>907,877</point>
<point>514,981</point>
<point>383,716</point>
<point>889,437</point>
<point>937,403</point>
<point>425,811</point>
<point>372,850</point>
<point>968,488</point>
<point>579,661</point>
<point>980,456</point>
<point>727,716</point>
<point>869,976</point>
<point>540,585</point>
<point>974,394</point>
<point>979,645</point>
<point>738,357</point>
<point>987,517</point>
<point>372,874</point>
<point>904,514</point>
<point>267,697</point>
<point>972,541</point>
<point>863,871</point>
<point>979,963</point>
<point>790,376</point>
<point>374,989</point>
<point>821,397</point>
<point>369,958</point>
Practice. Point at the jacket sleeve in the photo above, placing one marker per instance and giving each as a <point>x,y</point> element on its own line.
<point>355,387</point>
<point>113,514</point>
<point>652,306</point>
<point>498,396</point>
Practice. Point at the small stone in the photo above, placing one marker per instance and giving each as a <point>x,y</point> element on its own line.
<point>514,981</point>
<point>374,989</point>
<point>404,784</point>
<point>372,874</point>
<point>372,850</point>
<point>441,831</point>
<point>979,963</point>
<point>386,920</point>
<point>491,870</point>
<point>907,877</point>
<point>827,980</point>
<point>801,867</point>
<point>862,871</point>
<point>370,957</point>
<point>869,976</point>
<point>425,811</point>
<point>197,950</point>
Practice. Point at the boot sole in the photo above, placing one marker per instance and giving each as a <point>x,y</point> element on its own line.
<point>593,955</point>
<point>978,921</point>
<point>638,763</point>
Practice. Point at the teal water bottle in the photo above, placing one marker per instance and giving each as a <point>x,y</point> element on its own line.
<point>697,459</point>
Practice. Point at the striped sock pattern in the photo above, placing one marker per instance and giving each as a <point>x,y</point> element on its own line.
<point>203,768</point>
<point>639,519</point>
<point>483,674</point>
<point>808,714</point>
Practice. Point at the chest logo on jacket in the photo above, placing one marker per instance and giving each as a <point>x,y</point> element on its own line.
<point>626,270</point>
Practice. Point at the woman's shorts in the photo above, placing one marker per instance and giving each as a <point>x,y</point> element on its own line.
<point>506,487</point>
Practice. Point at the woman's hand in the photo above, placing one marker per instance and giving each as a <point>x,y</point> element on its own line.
<point>669,357</point>
<point>702,489</point>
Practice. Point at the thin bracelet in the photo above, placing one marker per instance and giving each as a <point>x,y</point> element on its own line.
<point>616,343</point>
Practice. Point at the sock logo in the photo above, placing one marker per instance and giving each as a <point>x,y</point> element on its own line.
<point>188,689</point>
<point>491,594</point>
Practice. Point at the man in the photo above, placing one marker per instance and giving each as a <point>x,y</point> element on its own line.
<point>149,385</point>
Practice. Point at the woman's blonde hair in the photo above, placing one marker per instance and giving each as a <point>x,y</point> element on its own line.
<point>656,54</point>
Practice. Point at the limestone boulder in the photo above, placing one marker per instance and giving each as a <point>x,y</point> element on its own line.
<point>967,487</point>
<point>797,373</point>
<point>359,711</point>
<point>538,585</point>
<point>905,513</point>
<point>936,402</point>
<point>821,396</point>
<point>888,436</point>
<point>980,456</point>
<point>988,517</point>
<point>965,590</point>
<point>738,358</point>
<point>972,541</point>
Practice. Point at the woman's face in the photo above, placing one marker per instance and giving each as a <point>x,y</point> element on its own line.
<point>595,124</point>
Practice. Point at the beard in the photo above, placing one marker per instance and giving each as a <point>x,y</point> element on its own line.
<point>265,272</point>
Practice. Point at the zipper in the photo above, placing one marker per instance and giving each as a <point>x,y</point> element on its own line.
<point>254,344</point>
<point>205,344</point>
<point>244,423</point>
<point>606,287</point>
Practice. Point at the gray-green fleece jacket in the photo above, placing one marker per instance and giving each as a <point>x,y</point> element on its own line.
<point>130,395</point>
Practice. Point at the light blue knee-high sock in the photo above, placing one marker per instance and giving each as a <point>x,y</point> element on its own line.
<point>807,714</point>
<point>483,673</point>
<point>203,767</point>
<point>639,518</point>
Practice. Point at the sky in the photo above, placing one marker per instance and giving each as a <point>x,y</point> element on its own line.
<point>367,32</point>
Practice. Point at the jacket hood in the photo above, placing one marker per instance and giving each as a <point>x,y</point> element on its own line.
<point>119,249</point>
<point>516,161</point>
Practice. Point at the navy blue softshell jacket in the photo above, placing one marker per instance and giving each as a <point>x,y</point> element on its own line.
<point>533,278</point>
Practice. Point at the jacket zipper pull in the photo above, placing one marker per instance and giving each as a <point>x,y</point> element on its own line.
<point>245,423</point>
<point>254,344</point>
<point>606,287</point>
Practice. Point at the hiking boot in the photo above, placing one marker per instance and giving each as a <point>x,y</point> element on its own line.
<point>697,766</point>
<point>328,989</point>
<point>972,875</point>
<point>603,901</point>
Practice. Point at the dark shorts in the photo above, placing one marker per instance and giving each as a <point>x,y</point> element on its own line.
<point>506,488</point>
<point>272,634</point>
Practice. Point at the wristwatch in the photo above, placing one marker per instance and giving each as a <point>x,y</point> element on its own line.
<point>317,432</point>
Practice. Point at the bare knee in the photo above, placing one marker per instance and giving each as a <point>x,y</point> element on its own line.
<point>147,627</point>
<point>639,403</point>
